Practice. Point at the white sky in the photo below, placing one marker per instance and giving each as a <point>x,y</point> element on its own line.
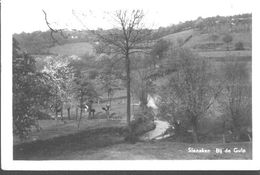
<point>27,15</point>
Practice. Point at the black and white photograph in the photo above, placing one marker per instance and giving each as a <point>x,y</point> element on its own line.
<point>152,83</point>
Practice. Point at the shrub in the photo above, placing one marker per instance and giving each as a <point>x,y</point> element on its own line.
<point>43,116</point>
<point>93,74</point>
<point>239,46</point>
<point>227,39</point>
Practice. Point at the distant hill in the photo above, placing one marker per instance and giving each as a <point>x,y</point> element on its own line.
<point>79,49</point>
<point>193,39</point>
<point>196,34</point>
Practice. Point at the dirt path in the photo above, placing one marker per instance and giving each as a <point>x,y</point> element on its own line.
<point>161,127</point>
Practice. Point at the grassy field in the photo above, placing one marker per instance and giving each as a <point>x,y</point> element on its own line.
<point>180,35</point>
<point>202,41</point>
<point>53,129</point>
<point>163,150</point>
<point>197,41</point>
<point>79,49</point>
<point>110,145</point>
<point>243,53</point>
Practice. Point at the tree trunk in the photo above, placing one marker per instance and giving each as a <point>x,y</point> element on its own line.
<point>195,135</point>
<point>56,116</point>
<point>110,100</point>
<point>68,109</point>
<point>77,113</point>
<point>130,136</point>
<point>224,132</point>
<point>80,115</point>
<point>37,125</point>
<point>128,104</point>
<point>195,129</point>
<point>108,96</point>
<point>89,112</point>
<point>61,112</point>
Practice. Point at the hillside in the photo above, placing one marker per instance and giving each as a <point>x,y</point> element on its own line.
<point>79,49</point>
<point>199,33</point>
<point>193,39</point>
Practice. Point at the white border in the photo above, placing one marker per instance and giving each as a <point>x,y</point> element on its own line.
<point>6,122</point>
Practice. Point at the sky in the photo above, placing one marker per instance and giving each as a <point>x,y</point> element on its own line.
<point>27,15</point>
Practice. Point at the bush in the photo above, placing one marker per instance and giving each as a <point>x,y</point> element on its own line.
<point>43,116</point>
<point>227,39</point>
<point>239,46</point>
<point>142,123</point>
<point>93,74</point>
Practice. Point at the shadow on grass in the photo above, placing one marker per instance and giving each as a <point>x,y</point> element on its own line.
<point>88,139</point>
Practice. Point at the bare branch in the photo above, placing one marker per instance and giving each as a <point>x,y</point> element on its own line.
<point>53,30</point>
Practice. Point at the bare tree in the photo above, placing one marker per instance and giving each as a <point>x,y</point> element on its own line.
<point>130,37</point>
<point>53,30</point>
<point>190,93</point>
<point>237,103</point>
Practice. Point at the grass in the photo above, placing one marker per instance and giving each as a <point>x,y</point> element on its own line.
<point>202,42</point>
<point>79,49</point>
<point>165,150</point>
<point>180,35</point>
<point>226,54</point>
<point>65,144</point>
<point>53,129</point>
<point>110,145</point>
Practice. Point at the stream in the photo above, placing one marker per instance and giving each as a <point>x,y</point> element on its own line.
<point>158,132</point>
<point>161,126</point>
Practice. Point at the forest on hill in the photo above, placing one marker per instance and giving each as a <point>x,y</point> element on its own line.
<point>39,42</point>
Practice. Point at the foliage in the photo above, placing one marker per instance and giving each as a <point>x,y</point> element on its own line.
<point>85,92</point>
<point>239,46</point>
<point>189,93</point>
<point>108,78</point>
<point>227,39</point>
<point>237,104</point>
<point>61,78</point>
<point>30,92</point>
<point>159,50</point>
<point>93,74</point>
<point>84,89</point>
<point>214,37</point>
<point>142,85</point>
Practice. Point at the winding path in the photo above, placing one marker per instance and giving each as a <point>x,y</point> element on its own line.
<point>161,127</point>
